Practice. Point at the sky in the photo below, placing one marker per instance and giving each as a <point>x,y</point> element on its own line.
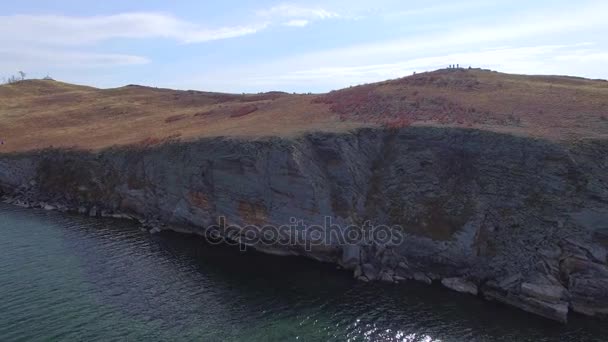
<point>295,46</point>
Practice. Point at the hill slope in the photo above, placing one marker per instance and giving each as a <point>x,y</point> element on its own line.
<point>37,114</point>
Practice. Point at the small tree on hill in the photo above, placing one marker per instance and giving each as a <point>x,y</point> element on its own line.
<point>12,79</point>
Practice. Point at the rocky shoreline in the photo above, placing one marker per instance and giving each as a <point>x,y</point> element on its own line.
<point>508,219</point>
<point>22,201</point>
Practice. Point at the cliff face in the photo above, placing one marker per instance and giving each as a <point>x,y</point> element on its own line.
<point>517,220</point>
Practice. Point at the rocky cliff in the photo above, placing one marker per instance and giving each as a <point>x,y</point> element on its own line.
<point>514,219</point>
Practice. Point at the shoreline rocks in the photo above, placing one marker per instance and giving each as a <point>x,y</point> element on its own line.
<point>556,310</point>
<point>423,278</point>
<point>460,285</point>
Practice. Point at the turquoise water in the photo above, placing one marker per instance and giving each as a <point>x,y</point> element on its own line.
<point>71,278</point>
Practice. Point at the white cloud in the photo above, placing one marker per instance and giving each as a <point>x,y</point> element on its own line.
<point>75,30</point>
<point>51,39</point>
<point>297,23</point>
<point>198,36</point>
<point>42,58</point>
<point>299,12</point>
<point>451,7</point>
<point>67,30</point>
<point>45,41</point>
<point>295,15</point>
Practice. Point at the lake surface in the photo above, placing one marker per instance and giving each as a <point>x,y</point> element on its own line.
<point>65,277</point>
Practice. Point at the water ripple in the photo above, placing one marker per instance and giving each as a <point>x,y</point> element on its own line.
<point>66,277</point>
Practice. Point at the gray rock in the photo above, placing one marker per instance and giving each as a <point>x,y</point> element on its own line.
<point>363,279</point>
<point>370,271</point>
<point>351,255</point>
<point>549,293</point>
<point>357,272</point>
<point>460,285</point>
<point>587,285</point>
<point>380,249</point>
<point>22,204</point>
<point>557,311</point>
<point>386,277</point>
<point>511,281</point>
<point>121,216</point>
<point>49,207</point>
<point>597,252</point>
<point>155,230</point>
<point>421,277</point>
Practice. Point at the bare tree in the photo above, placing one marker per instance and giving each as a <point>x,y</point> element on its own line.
<point>22,74</point>
<point>12,79</point>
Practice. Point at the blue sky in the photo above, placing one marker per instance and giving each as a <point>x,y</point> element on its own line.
<point>252,46</point>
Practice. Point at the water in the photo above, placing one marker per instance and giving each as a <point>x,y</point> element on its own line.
<point>66,277</point>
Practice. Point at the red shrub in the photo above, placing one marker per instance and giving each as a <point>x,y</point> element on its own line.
<point>398,123</point>
<point>207,113</point>
<point>244,110</point>
<point>174,118</point>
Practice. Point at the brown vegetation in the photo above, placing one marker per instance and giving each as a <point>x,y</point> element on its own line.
<point>243,110</point>
<point>475,98</point>
<point>37,114</point>
<point>175,118</point>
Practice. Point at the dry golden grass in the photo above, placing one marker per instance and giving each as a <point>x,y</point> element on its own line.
<point>38,114</point>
